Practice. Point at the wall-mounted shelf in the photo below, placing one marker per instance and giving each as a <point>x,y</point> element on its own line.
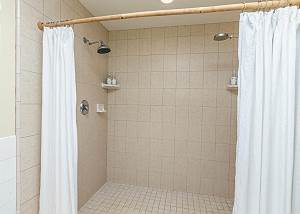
<point>110,86</point>
<point>232,87</point>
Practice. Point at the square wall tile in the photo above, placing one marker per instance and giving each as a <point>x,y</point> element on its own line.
<point>180,119</point>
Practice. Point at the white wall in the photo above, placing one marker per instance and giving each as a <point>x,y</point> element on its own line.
<point>7,108</point>
<point>8,175</point>
<point>7,67</point>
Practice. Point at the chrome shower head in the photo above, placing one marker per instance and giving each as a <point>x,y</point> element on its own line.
<point>103,48</point>
<point>222,36</point>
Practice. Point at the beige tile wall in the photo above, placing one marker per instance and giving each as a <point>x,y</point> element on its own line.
<point>90,70</point>
<point>172,125</point>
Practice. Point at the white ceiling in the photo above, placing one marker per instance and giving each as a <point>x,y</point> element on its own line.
<point>109,7</point>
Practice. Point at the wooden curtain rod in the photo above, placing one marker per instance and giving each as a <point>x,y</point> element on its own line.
<point>197,10</point>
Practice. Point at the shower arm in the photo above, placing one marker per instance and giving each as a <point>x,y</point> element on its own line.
<point>92,43</point>
<point>86,41</point>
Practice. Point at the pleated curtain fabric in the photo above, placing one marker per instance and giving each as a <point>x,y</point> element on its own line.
<point>58,190</point>
<point>268,149</point>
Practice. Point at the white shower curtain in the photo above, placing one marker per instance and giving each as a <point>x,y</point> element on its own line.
<point>268,152</point>
<point>58,191</point>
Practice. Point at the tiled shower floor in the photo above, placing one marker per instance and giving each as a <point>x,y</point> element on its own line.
<point>119,198</point>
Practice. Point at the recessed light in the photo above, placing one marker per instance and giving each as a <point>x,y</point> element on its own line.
<point>166,1</point>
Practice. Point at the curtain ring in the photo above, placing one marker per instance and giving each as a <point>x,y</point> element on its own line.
<point>244,7</point>
<point>56,23</point>
<point>266,5</point>
<point>272,5</point>
<point>280,4</point>
<point>51,24</point>
<point>259,5</point>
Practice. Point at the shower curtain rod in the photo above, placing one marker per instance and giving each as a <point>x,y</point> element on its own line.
<point>197,10</point>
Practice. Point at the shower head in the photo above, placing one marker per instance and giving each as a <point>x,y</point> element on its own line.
<point>222,36</point>
<point>102,49</point>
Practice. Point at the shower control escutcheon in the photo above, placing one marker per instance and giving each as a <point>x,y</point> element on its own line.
<point>84,107</point>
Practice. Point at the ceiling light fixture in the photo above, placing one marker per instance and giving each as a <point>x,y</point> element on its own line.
<point>166,1</point>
